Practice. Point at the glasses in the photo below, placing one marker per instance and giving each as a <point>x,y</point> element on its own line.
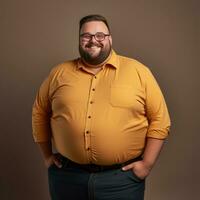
<point>99,36</point>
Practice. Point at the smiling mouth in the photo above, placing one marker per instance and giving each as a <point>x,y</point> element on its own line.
<point>93,47</point>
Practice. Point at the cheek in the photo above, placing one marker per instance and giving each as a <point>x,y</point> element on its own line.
<point>106,44</point>
<point>110,41</point>
<point>83,44</point>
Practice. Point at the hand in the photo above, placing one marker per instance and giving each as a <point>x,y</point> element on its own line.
<point>53,159</point>
<point>139,168</point>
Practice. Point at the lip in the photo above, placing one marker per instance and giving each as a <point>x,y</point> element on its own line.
<point>92,46</point>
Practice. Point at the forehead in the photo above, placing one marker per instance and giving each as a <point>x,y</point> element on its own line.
<point>93,27</point>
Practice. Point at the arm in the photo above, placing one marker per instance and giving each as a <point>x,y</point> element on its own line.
<point>41,115</point>
<point>152,151</point>
<point>158,129</point>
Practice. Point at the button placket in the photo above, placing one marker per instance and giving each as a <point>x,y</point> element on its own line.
<point>89,115</point>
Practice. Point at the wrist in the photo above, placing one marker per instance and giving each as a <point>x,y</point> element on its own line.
<point>48,160</point>
<point>148,164</point>
<point>46,149</point>
<point>47,156</point>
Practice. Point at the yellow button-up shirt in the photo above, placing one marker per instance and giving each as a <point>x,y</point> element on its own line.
<point>103,118</point>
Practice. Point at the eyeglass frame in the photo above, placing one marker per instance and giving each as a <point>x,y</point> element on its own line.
<point>94,35</point>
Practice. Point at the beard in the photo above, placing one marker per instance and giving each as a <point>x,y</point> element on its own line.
<point>96,58</point>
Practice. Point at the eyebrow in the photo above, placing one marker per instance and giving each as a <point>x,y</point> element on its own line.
<point>94,33</point>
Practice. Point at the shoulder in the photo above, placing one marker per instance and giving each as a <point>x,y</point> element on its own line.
<point>132,64</point>
<point>62,68</point>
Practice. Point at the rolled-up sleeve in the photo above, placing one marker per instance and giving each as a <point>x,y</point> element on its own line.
<point>41,113</point>
<point>156,109</point>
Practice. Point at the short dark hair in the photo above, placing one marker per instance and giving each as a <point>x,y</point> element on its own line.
<point>90,18</point>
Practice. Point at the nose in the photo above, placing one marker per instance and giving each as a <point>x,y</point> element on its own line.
<point>93,39</point>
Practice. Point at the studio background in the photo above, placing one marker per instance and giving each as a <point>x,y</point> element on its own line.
<point>37,35</point>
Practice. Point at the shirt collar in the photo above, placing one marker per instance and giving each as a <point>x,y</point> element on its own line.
<point>113,61</point>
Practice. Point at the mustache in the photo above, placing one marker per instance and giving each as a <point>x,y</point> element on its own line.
<point>94,44</point>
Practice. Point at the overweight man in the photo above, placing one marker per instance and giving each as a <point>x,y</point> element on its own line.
<point>105,116</point>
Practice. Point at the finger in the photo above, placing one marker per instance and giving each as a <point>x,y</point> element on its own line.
<point>57,163</point>
<point>127,167</point>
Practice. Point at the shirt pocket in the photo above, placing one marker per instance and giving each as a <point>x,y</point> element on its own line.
<point>125,96</point>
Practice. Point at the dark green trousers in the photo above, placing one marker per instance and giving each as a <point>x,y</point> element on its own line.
<point>69,183</point>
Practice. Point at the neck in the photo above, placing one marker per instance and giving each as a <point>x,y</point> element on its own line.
<point>92,66</point>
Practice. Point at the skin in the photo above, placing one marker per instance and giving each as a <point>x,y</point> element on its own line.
<point>153,146</point>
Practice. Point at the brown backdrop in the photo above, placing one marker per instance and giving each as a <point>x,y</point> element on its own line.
<point>36,35</point>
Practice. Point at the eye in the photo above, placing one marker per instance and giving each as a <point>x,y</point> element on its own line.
<point>100,36</point>
<point>86,36</point>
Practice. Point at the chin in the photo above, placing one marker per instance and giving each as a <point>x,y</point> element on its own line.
<point>94,55</point>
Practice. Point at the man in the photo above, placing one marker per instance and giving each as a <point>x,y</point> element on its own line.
<point>106,117</point>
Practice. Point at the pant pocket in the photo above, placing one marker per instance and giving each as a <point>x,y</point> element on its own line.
<point>132,173</point>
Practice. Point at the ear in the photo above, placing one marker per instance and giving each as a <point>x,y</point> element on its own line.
<point>110,38</point>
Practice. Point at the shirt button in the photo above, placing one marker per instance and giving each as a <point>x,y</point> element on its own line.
<point>87,132</point>
<point>89,116</point>
<point>91,102</point>
<point>95,77</point>
<point>93,89</point>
